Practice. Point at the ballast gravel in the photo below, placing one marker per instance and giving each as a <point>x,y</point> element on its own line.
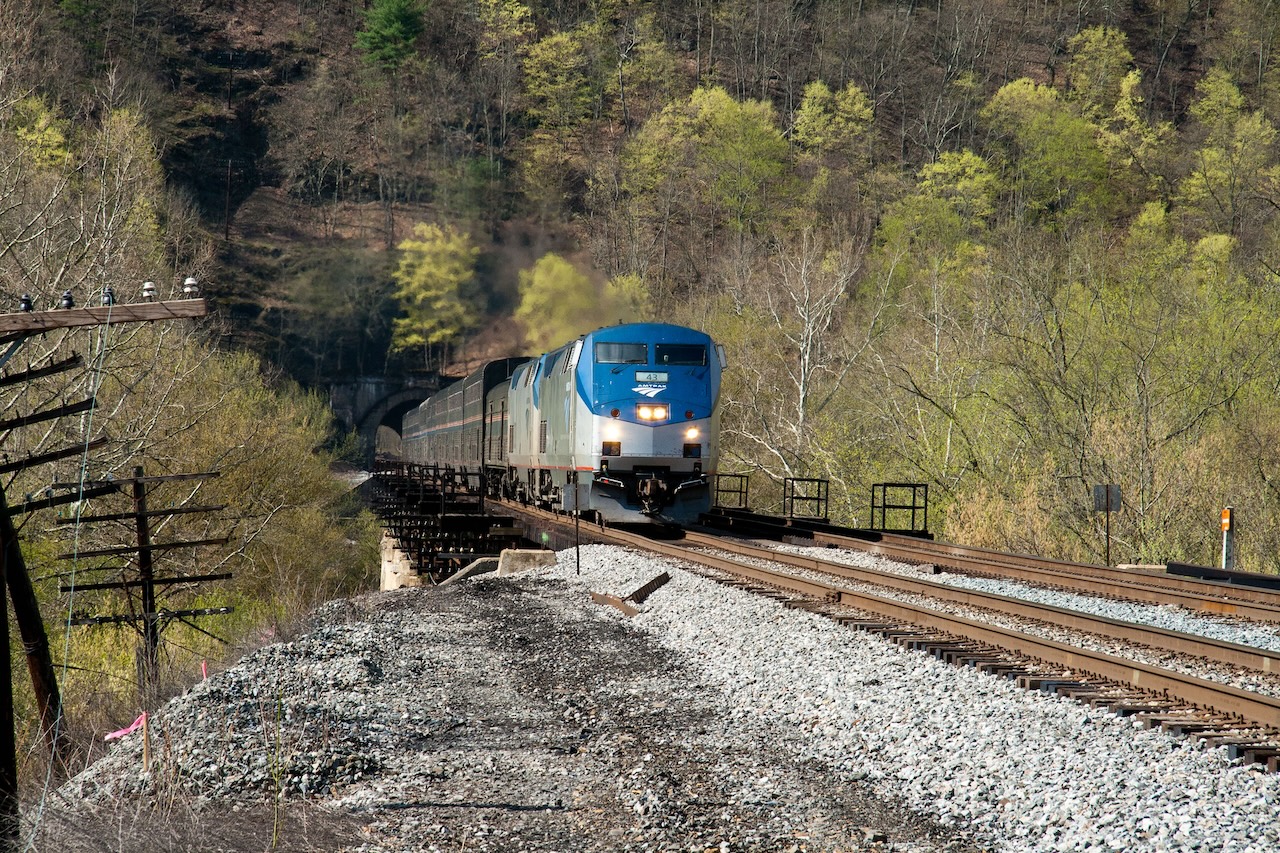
<point>514,714</point>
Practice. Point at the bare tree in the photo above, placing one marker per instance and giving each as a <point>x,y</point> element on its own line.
<point>789,381</point>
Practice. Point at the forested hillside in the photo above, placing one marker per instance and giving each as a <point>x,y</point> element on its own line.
<point>1008,249</point>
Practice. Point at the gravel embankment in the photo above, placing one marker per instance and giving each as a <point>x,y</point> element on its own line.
<point>512,714</point>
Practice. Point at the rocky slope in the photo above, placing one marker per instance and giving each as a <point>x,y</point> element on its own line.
<point>503,714</point>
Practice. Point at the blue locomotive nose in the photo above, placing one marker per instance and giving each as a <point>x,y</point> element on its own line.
<point>658,382</point>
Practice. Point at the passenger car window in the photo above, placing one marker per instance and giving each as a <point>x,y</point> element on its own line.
<point>681,354</point>
<point>610,353</point>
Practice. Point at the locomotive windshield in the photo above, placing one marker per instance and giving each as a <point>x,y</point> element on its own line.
<point>681,354</point>
<point>611,353</point>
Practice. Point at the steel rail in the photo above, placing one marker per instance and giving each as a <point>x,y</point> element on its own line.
<point>1255,707</point>
<point>1235,654</point>
<point>1206,596</point>
<point>990,562</point>
<point>617,536</point>
<point>1017,562</point>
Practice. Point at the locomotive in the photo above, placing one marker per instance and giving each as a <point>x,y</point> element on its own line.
<point>621,424</point>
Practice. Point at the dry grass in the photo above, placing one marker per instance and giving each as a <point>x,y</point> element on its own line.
<point>168,818</point>
<point>187,825</point>
<point>116,701</point>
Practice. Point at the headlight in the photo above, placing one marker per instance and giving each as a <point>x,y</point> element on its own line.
<point>652,413</point>
<point>645,413</point>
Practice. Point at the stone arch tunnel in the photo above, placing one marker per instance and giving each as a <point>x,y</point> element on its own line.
<point>374,405</point>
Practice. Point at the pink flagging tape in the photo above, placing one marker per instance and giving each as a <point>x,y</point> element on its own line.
<point>137,724</point>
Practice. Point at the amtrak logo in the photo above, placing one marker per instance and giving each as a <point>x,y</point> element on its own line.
<point>649,391</point>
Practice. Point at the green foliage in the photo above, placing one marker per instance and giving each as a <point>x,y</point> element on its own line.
<point>79,207</point>
<point>390,34</point>
<point>927,396</point>
<point>654,160</point>
<point>730,152</point>
<point>506,31</point>
<point>267,441</point>
<point>434,287</point>
<point>562,79</point>
<point>832,131</point>
<point>1235,168</point>
<point>1089,366</point>
<point>1218,105</point>
<point>1100,61</point>
<point>172,406</point>
<point>648,75</point>
<point>741,155</point>
<point>565,80</point>
<point>1133,146</point>
<point>558,302</point>
<point>785,388</point>
<point>937,233</point>
<point>829,122</point>
<point>628,299</point>
<point>1058,169</point>
<point>704,168</point>
<point>964,181</point>
<point>40,133</point>
<point>123,142</point>
<point>507,25</point>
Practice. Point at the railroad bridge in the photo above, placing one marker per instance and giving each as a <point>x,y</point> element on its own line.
<point>374,405</point>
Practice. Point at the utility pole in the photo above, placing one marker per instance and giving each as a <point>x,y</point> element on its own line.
<point>20,326</point>
<point>151,620</point>
<point>14,330</point>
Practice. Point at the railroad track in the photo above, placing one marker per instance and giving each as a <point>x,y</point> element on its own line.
<point>1233,654</point>
<point>1208,596</point>
<point>1248,723</point>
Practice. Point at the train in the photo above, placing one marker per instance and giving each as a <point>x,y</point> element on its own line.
<point>620,425</point>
